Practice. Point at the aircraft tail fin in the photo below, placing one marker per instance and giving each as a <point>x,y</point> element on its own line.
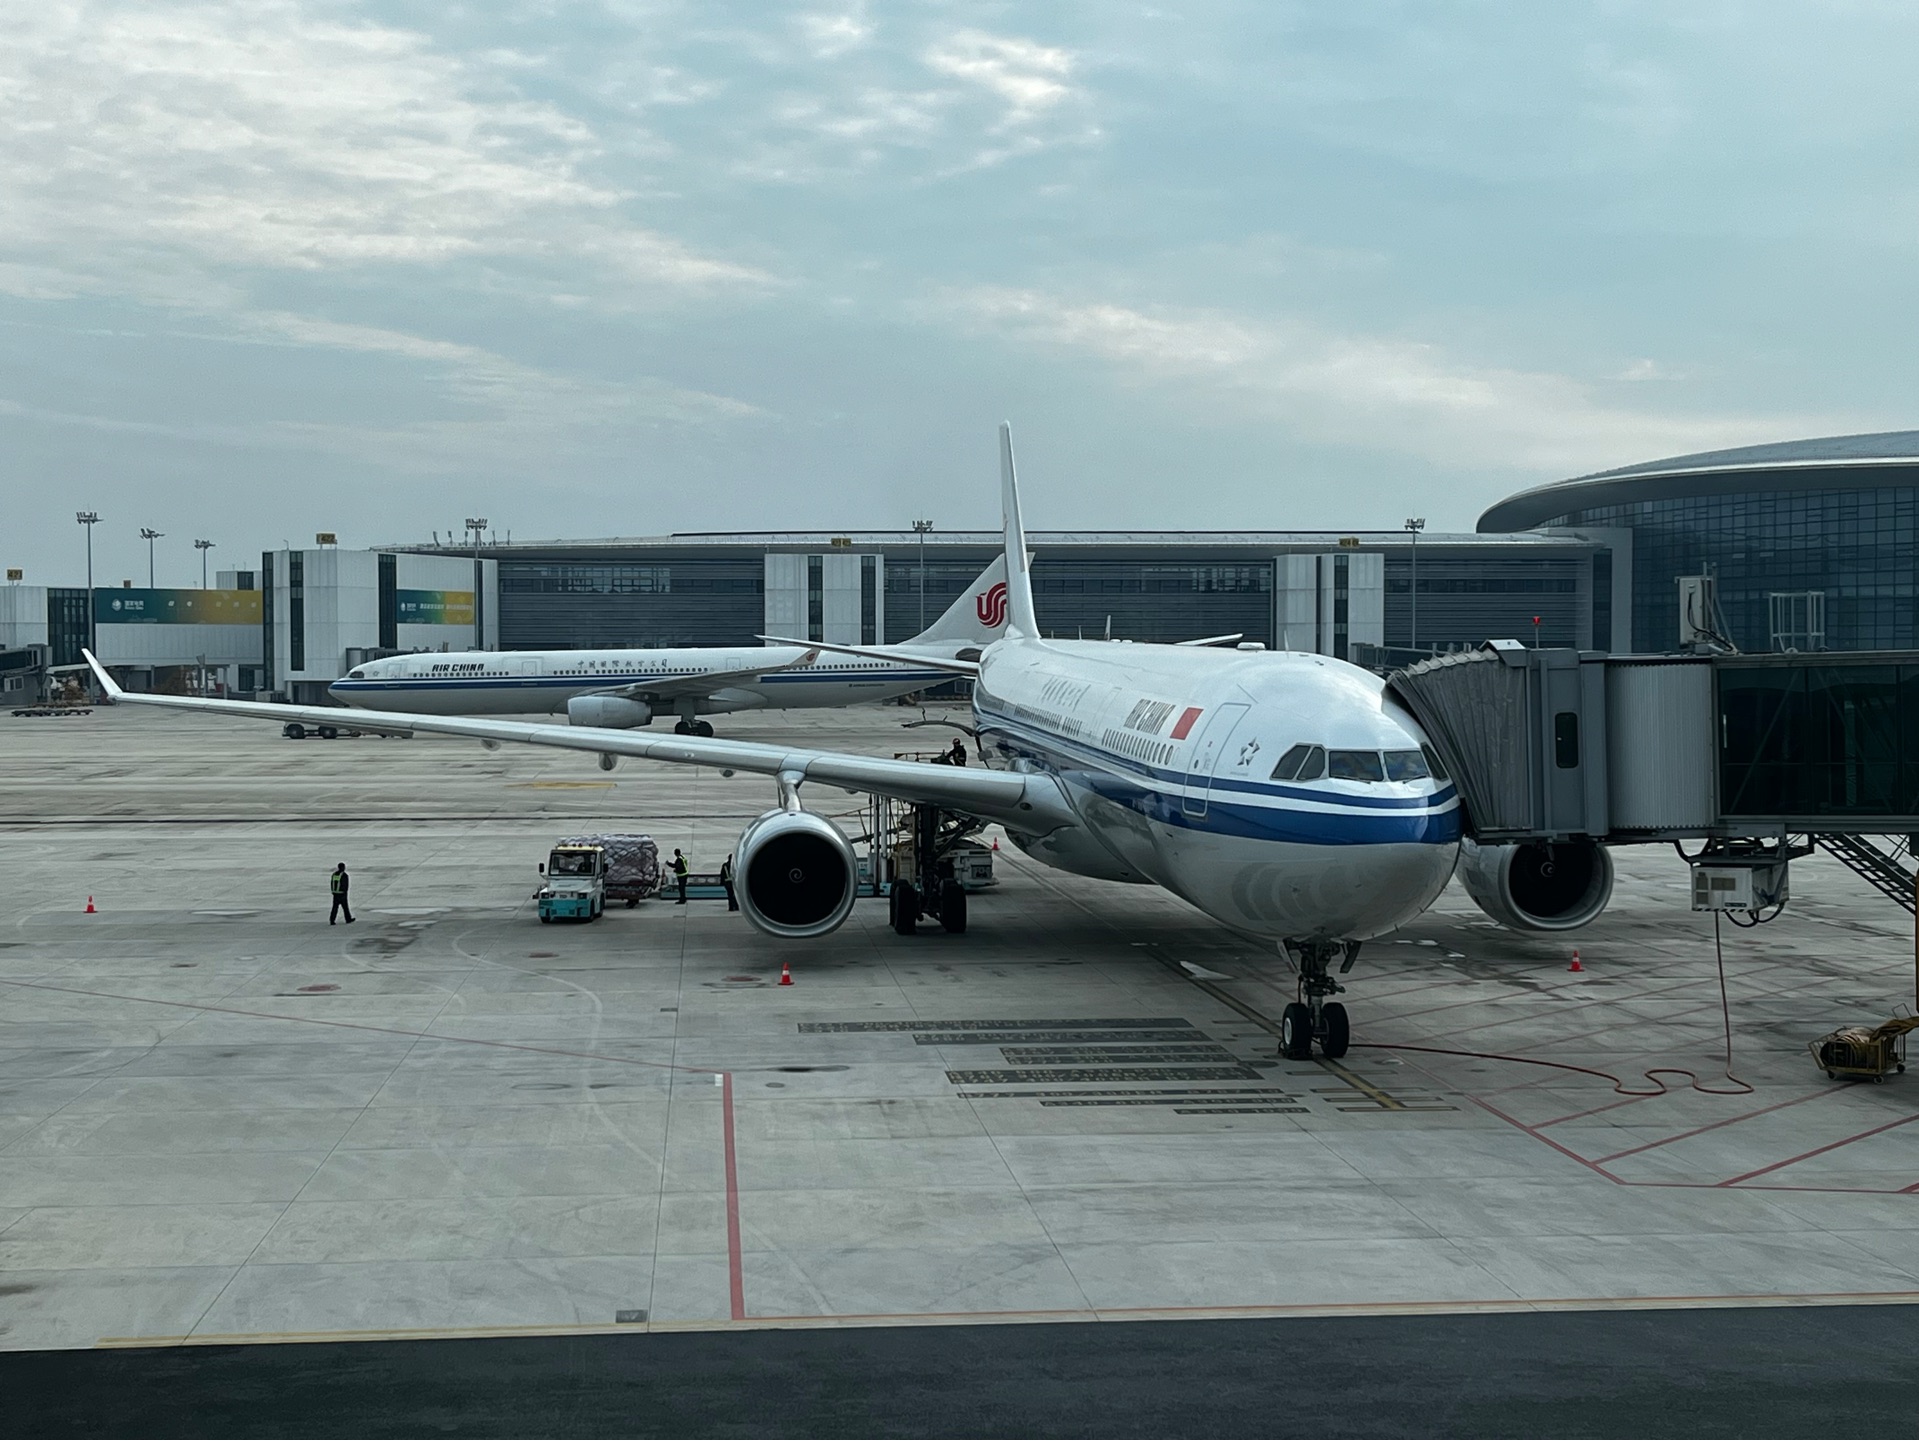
<point>1020,619</point>
<point>977,617</point>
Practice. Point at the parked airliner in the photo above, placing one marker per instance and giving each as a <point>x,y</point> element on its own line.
<point>617,689</point>
<point>1286,795</point>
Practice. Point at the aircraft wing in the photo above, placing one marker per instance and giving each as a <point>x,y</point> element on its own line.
<point>671,688</point>
<point>1032,803</point>
<point>892,653</point>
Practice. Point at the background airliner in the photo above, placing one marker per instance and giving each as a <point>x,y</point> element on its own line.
<point>618,689</point>
<point>1286,795</point>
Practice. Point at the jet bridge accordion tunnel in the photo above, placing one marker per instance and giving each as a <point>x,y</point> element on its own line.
<point>1559,754</point>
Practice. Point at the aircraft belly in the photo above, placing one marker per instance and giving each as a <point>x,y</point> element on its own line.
<point>1297,890</point>
<point>459,701</point>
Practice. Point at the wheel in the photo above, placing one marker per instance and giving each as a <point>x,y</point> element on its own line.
<point>1296,1033</point>
<point>1832,1075</point>
<point>545,918</point>
<point>953,907</point>
<point>1339,1033</point>
<point>703,728</point>
<point>327,733</point>
<point>631,902</point>
<point>906,908</point>
<point>295,731</point>
<point>684,728</point>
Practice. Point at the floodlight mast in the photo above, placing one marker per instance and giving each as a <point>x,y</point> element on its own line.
<point>149,535</point>
<point>203,546</point>
<point>921,528</point>
<point>1414,525</point>
<point>89,519</point>
<point>478,529</point>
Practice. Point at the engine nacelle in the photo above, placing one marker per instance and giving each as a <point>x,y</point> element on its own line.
<point>1538,886</point>
<point>795,874</point>
<point>609,712</point>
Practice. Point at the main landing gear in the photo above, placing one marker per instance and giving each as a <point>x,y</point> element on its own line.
<point>690,727</point>
<point>924,884</point>
<point>1315,1017</point>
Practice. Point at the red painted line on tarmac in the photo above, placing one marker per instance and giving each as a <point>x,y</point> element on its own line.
<point>1820,1151</point>
<point>1594,1111</point>
<point>1715,1125</point>
<point>735,1270</point>
<point>1565,1151</point>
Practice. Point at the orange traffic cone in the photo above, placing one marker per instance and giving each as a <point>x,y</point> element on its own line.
<point>1575,966</point>
<point>786,974</point>
<point>90,911</point>
<point>995,842</point>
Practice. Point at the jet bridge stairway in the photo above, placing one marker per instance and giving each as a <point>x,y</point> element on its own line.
<point>1885,867</point>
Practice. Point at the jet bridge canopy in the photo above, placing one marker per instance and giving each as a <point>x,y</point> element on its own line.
<point>1556,743</point>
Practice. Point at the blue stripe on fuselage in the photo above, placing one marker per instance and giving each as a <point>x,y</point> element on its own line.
<point>1428,820</point>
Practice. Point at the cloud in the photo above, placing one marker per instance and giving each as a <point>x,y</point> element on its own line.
<point>831,36</point>
<point>942,100</point>
<point>1030,78</point>
<point>147,148</point>
<point>1364,391</point>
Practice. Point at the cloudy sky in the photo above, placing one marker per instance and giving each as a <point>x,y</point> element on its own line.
<point>269,267</point>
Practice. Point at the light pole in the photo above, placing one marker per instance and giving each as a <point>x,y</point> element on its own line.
<point>478,527</point>
<point>920,528</point>
<point>150,536</point>
<point>89,519</point>
<point>203,546</point>
<point>1414,525</point>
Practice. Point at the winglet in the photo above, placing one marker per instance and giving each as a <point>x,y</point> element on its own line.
<point>1020,619</point>
<point>107,682</point>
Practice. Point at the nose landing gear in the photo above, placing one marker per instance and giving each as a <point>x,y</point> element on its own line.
<point>1315,1016</point>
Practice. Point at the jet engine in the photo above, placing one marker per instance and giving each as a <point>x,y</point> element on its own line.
<point>1540,885</point>
<point>610,712</point>
<point>795,874</point>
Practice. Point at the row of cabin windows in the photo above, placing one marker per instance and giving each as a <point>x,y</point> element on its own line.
<point>1139,747</point>
<point>1315,763</point>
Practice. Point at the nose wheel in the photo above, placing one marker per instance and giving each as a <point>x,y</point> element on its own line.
<point>1316,1018</point>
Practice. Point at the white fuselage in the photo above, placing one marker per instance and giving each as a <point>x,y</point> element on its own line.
<point>540,683</point>
<point>1167,755</point>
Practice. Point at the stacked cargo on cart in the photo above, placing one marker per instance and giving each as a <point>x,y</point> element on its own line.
<point>632,865</point>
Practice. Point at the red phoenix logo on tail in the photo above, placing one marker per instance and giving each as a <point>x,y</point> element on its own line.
<point>991,607</point>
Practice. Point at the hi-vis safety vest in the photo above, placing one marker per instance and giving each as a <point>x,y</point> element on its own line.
<point>679,865</point>
<point>338,879</point>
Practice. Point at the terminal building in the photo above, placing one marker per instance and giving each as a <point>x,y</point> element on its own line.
<point>1813,546</point>
<point>1814,543</point>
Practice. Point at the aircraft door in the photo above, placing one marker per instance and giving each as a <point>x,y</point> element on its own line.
<point>1204,759</point>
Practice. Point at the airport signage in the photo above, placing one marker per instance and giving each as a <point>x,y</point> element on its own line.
<point>176,607</point>
<point>434,607</point>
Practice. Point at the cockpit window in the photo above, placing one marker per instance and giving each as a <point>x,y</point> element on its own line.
<point>1406,766</point>
<point>1354,766</point>
<point>1289,764</point>
<point>1437,766</point>
<point>356,675</point>
<point>1301,763</point>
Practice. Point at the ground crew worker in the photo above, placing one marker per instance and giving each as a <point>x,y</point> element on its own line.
<point>679,875</point>
<point>957,755</point>
<point>338,882</point>
<point>726,879</point>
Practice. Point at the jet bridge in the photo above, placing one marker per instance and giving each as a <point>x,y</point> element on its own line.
<point>1760,757</point>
